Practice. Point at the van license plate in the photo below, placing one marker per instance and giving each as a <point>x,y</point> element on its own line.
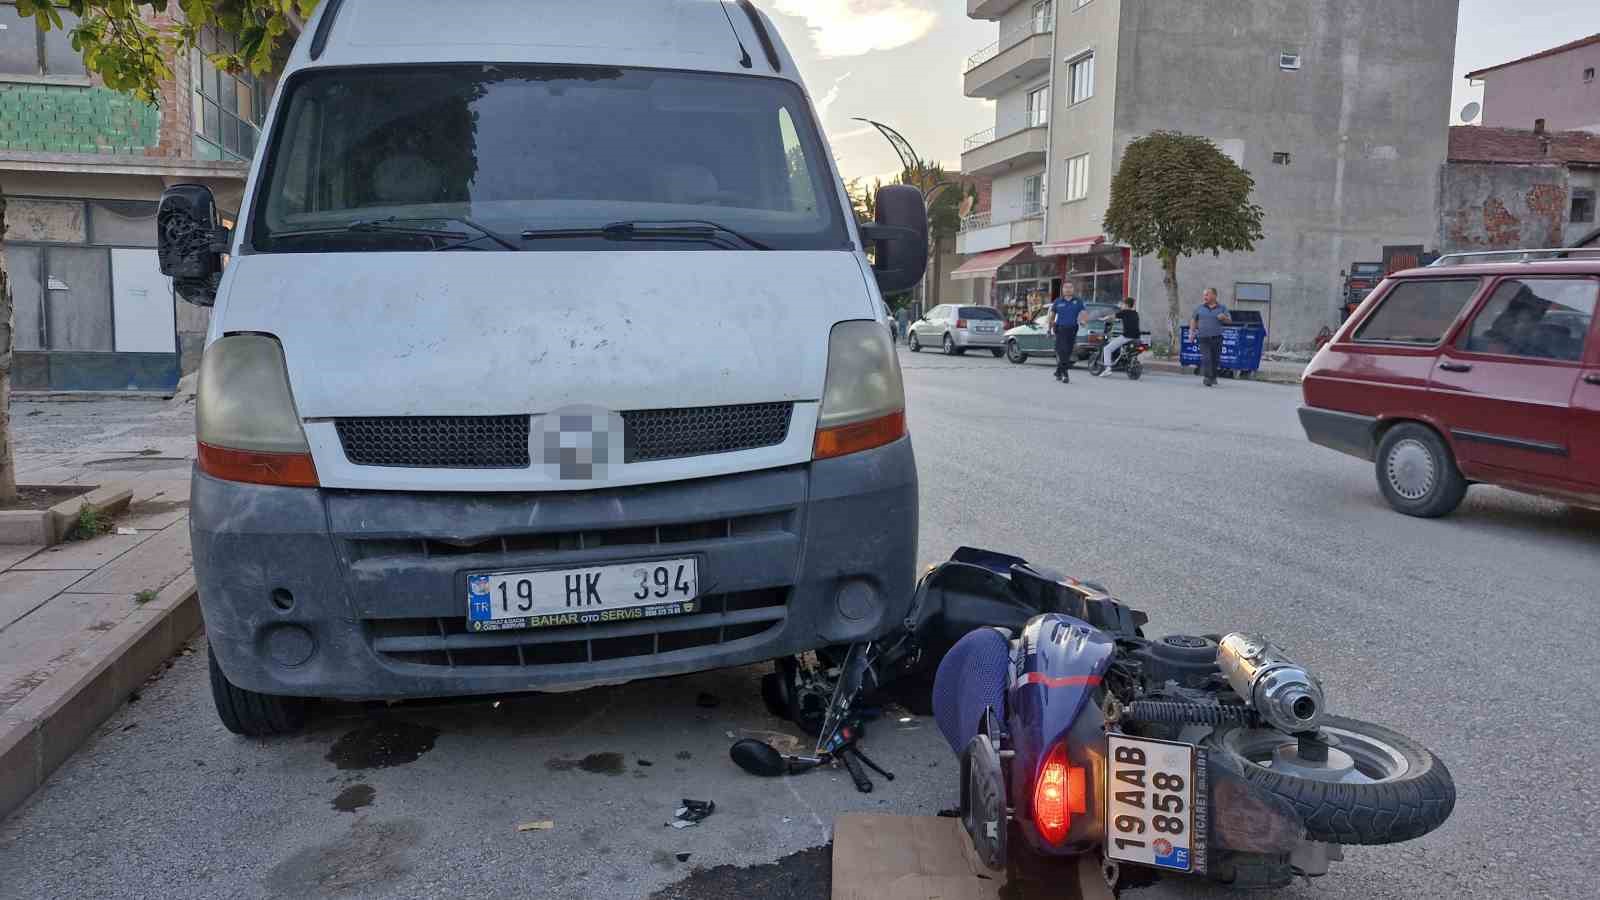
<point>1150,802</point>
<point>500,601</point>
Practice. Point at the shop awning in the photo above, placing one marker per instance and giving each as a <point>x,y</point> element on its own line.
<point>985,265</point>
<point>1073,247</point>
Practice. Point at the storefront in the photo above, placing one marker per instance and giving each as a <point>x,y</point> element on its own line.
<point>1013,280</point>
<point>1098,272</point>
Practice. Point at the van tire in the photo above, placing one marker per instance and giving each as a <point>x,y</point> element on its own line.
<point>1417,473</point>
<point>252,714</point>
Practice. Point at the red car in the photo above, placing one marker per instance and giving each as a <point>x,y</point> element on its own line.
<point>1468,372</point>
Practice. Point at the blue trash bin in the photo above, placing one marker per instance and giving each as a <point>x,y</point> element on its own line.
<point>1242,345</point>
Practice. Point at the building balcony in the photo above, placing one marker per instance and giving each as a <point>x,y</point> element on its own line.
<point>985,154</point>
<point>989,9</point>
<point>1021,55</point>
<point>985,231</point>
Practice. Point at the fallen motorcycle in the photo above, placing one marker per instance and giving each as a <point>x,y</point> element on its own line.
<point>1210,756</point>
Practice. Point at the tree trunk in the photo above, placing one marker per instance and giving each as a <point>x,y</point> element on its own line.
<point>8,465</point>
<point>1169,278</point>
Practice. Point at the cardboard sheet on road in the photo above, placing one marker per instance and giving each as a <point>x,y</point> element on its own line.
<point>879,857</point>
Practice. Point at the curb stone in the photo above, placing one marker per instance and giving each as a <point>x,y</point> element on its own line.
<point>51,723</point>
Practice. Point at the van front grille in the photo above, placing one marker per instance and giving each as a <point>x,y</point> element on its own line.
<point>652,434</point>
<point>501,442</point>
<point>437,442</point>
<point>445,641</point>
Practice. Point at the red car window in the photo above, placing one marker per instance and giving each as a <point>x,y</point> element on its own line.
<point>1538,318</point>
<point>1418,312</point>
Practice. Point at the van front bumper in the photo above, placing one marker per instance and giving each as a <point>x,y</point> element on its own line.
<point>362,594</point>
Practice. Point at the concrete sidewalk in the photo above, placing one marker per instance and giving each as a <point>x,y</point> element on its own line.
<point>83,624</point>
<point>1272,371</point>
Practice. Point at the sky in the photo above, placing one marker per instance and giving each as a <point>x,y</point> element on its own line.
<point>900,62</point>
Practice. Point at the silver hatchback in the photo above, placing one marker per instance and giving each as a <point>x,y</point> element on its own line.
<point>956,329</point>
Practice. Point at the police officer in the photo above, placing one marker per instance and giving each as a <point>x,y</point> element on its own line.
<point>1066,314</point>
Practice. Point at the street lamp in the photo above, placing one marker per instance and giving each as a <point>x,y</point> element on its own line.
<point>912,163</point>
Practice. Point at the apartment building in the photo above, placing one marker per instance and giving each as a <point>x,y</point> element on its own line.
<point>82,168</point>
<point>1556,89</point>
<point>1338,108</point>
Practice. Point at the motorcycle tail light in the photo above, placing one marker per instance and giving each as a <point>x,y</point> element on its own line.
<point>1061,791</point>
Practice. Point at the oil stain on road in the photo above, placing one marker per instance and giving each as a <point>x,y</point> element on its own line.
<point>382,744</point>
<point>354,797</point>
<point>594,763</point>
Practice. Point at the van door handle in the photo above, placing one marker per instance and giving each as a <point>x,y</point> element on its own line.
<point>1455,367</point>
<point>1592,379</point>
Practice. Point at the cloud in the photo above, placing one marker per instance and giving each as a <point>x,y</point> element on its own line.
<point>826,103</point>
<point>857,27</point>
<point>852,134</point>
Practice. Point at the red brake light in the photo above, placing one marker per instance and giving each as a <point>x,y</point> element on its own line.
<point>1062,789</point>
<point>961,323</point>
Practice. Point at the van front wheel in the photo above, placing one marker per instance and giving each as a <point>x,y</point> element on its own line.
<point>252,714</point>
<point>1417,472</point>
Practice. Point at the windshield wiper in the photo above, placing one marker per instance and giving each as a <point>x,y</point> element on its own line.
<point>670,230</point>
<point>397,225</point>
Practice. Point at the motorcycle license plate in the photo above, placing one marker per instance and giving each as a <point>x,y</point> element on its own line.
<point>1150,802</point>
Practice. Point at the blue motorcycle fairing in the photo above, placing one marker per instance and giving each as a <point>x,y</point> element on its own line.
<point>1059,667</point>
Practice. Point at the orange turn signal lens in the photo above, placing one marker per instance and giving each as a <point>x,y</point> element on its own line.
<point>282,469</point>
<point>857,436</point>
<point>1061,790</point>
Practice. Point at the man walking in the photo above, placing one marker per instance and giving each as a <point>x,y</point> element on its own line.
<point>1206,327</point>
<point>1130,333</point>
<point>1065,316</point>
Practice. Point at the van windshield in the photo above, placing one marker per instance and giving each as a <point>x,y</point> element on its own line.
<point>441,156</point>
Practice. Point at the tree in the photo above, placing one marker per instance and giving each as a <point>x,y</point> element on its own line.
<point>1175,195</point>
<point>945,192</point>
<point>129,51</point>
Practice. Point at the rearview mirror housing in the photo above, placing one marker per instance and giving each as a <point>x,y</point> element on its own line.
<point>901,235</point>
<point>190,241</point>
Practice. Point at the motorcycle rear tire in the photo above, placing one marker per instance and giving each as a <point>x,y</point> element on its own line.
<point>1400,808</point>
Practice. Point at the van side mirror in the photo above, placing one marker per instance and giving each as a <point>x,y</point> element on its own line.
<point>190,241</point>
<point>901,235</point>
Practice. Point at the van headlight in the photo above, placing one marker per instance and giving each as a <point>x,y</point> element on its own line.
<point>245,419</point>
<point>863,398</point>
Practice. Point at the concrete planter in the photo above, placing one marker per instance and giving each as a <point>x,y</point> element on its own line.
<point>47,527</point>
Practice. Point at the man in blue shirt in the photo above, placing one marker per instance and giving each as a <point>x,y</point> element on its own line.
<point>1206,328</point>
<point>1066,314</point>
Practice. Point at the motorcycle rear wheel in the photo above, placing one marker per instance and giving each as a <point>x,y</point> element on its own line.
<point>1400,790</point>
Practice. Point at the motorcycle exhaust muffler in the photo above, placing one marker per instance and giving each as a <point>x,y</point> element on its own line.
<point>1280,690</point>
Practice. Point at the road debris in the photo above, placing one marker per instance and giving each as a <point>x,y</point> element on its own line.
<point>692,813</point>
<point>544,825</point>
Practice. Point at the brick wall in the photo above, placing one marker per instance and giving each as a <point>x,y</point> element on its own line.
<point>1502,206</point>
<point>48,118</point>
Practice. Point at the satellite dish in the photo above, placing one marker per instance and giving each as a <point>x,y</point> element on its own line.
<point>1469,113</point>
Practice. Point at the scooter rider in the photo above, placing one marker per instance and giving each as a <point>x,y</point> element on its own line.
<point>1129,318</point>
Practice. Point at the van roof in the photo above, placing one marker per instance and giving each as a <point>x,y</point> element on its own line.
<point>698,35</point>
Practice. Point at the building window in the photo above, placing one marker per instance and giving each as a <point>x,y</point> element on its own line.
<point>25,49</point>
<point>1289,60</point>
<point>1080,4</point>
<point>1039,106</point>
<point>1588,75</point>
<point>1077,178</point>
<point>1582,205</point>
<point>228,109</point>
<point>1080,76</point>
<point>1280,158</point>
<point>1033,195</point>
<point>1044,16</point>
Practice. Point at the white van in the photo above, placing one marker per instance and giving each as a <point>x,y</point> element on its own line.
<point>547,354</point>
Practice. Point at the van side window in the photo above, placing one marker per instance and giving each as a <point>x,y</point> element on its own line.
<point>1418,312</point>
<point>1540,318</point>
<point>802,193</point>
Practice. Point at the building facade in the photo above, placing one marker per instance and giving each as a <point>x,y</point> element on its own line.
<point>82,168</point>
<point>1508,189</point>
<point>1328,103</point>
<point>1558,86</point>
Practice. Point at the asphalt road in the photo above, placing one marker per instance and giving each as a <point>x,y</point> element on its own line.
<point>1475,634</point>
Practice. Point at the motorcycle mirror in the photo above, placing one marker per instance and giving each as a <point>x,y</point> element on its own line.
<point>758,758</point>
